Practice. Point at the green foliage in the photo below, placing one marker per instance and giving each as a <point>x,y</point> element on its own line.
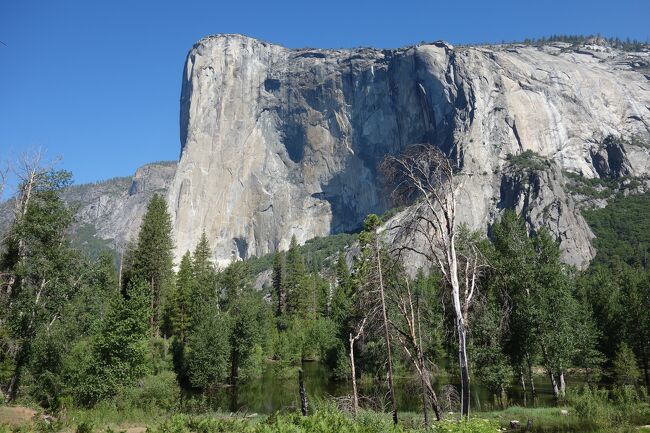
<point>181,299</point>
<point>38,274</point>
<point>248,321</point>
<point>150,262</point>
<point>208,349</point>
<point>317,253</point>
<point>603,408</point>
<point>595,187</point>
<point>528,161</point>
<point>622,231</point>
<point>85,238</point>
<point>160,391</point>
<point>205,276</point>
<point>625,367</point>
<point>85,427</point>
<point>119,350</point>
<point>323,421</point>
<point>492,364</point>
<point>296,284</point>
<point>534,291</point>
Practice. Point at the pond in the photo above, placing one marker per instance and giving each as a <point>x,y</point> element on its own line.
<point>270,393</point>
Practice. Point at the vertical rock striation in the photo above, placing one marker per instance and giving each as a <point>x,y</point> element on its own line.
<point>278,142</point>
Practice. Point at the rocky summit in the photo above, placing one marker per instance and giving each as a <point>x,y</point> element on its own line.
<point>277,142</point>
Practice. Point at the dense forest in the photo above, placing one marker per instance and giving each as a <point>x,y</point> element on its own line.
<point>80,331</point>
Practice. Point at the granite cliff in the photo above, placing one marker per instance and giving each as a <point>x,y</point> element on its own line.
<point>278,142</point>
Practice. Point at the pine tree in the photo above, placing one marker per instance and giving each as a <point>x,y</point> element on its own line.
<point>204,276</point>
<point>181,299</point>
<point>207,353</point>
<point>246,331</point>
<point>152,259</point>
<point>119,350</point>
<point>296,285</point>
<point>626,369</point>
<point>232,283</point>
<point>278,284</point>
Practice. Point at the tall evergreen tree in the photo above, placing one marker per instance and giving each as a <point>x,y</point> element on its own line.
<point>181,299</point>
<point>152,259</point>
<point>119,350</point>
<point>279,284</point>
<point>296,284</point>
<point>205,274</point>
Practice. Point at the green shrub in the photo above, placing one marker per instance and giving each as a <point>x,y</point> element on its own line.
<point>602,408</point>
<point>626,370</point>
<point>528,161</point>
<point>160,391</point>
<point>595,406</point>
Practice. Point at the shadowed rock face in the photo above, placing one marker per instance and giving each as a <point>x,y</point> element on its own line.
<point>279,142</point>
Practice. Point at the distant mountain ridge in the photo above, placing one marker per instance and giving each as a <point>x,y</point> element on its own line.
<point>109,212</point>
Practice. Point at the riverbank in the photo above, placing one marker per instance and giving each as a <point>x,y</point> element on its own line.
<point>325,419</point>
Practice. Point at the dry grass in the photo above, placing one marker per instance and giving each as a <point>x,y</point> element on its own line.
<point>16,416</point>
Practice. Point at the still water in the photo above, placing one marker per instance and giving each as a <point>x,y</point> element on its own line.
<point>271,393</point>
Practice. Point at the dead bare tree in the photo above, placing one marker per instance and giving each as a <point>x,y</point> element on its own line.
<point>410,338</point>
<point>353,339</point>
<point>28,169</point>
<point>425,177</point>
<point>4,178</point>
<point>373,295</point>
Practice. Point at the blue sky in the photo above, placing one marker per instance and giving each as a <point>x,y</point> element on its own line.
<point>98,82</point>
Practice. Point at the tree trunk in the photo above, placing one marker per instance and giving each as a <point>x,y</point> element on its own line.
<point>355,395</point>
<point>435,405</point>
<point>530,378</point>
<point>562,385</point>
<point>556,390</point>
<point>424,399</point>
<point>646,373</point>
<point>304,405</point>
<point>234,367</point>
<point>523,383</point>
<point>14,383</point>
<point>460,328</point>
<point>386,334</point>
<point>12,389</point>
<point>464,368</point>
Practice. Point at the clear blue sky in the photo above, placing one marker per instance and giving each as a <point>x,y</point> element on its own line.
<point>98,82</point>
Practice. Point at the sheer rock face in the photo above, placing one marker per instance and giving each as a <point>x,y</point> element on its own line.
<point>279,142</point>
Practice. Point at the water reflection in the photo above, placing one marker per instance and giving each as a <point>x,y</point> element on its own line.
<point>271,393</point>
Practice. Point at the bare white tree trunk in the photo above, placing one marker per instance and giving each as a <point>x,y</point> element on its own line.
<point>424,175</point>
<point>353,371</point>
<point>411,341</point>
<point>391,385</point>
